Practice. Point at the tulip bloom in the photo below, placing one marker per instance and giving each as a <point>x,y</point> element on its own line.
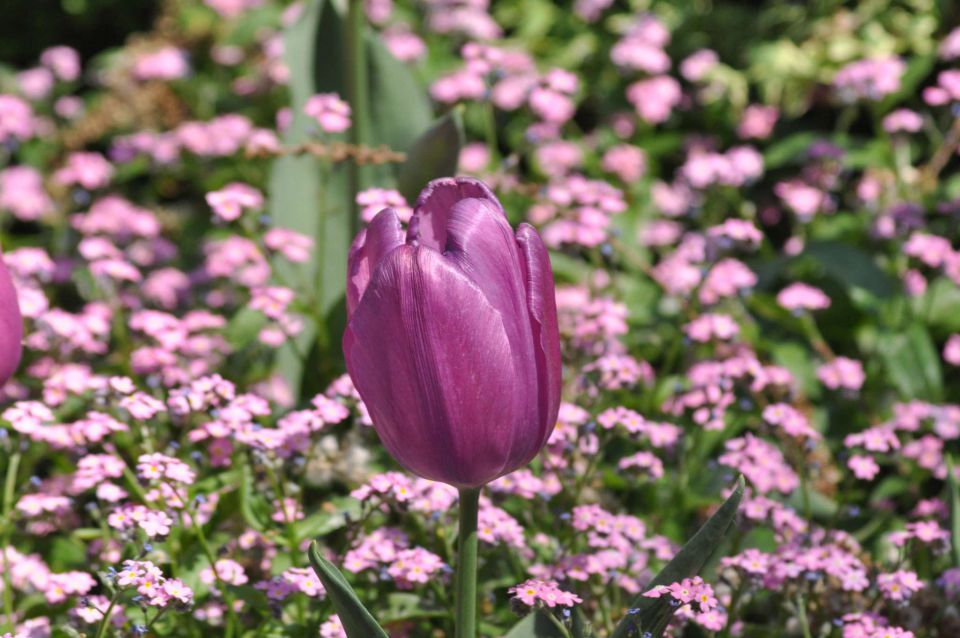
<point>452,338</point>
<point>11,326</point>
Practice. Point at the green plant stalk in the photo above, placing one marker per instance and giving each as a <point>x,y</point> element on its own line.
<point>802,616</point>
<point>9,488</point>
<point>105,621</point>
<point>358,95</point>
<point>466,614</point>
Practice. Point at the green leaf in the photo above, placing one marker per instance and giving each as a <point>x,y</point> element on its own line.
<point>939,305</point>
<point>435,154</point>
<point>851,267</point>
<point>954,492</point>
<point>918,68</point>
<point>913,364</point>
<point>539,625</point>
<point>357,621</point>
<point>653,614</point>
<point>323,522</point>
<point>250,509</point>
<point>314,197</point>
<point>306,195</point>
<point>789,150</point>
<point>400,109</point>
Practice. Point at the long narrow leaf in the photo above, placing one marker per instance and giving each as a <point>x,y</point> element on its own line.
<point>954,494</point>
<point>357,621</point>
<point>653,614</point>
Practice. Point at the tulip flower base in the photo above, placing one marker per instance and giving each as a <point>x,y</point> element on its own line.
<point>647,617</point>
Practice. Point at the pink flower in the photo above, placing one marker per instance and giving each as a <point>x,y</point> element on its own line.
<point>87,169</point>
<point>800,296</point>
<point>232,200</point>
<point>627,162</point>
<point>804,200</point>
<point>374,200</point>
<point>405,45</point>
<point>712,326</point>
<point>950,45</point>
<point>166,63</point>
<point>330,112</point>
<point>951,351</point>
<point>757,121</point>
<point>228,571</point>
<point>863,467</point>
<point>903,120</point>
<point>333,628</point>
<point>698,64</point>
<point>872,78</point>
<point>899,585</point>
<point>63,61</point>
<point>842,373</point>
<point>655,98</point>
<point>23,194</point>
<point>547,593</point>
<point>232,8</point>
<point>16,119</point>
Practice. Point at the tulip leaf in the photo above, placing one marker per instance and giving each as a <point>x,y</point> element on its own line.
<point>314,197</point>
<point>357,621</point>
<point>540,624</point>
<point>435,154</point>
<point>954,495</point>
<point>653,614</point>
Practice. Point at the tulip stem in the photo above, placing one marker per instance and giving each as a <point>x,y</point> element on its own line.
<point>359,98</point>
<point>467,564</point>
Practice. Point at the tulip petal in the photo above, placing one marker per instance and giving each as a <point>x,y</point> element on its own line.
<point>542,303</point>
<point>428,226</point>
<point>369,247</point>
<point>482,245</point>
<point>431,360</point>
<point>11,326</point>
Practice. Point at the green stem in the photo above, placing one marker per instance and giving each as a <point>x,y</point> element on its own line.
<point>559,625</point>
<point>802,616</point>
<point>467,564</point>
<point>9,487</point>
<point>359,98</point>
<point>490,131</point>
<point>105,621</point>
<point>208,552</point>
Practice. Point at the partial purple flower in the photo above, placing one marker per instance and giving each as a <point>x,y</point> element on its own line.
<point>11,326</point>
<point>452,339</point>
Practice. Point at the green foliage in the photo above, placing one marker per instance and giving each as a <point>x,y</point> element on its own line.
<point>314,197</point>
<point>653,614</point>
<point>357,621</point>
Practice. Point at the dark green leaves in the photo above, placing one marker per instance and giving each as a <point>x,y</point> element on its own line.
<point>357,621</point>
<point>653,614</point>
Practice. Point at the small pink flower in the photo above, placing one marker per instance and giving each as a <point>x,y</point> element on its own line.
<point>951,351</point>
<point>863,467</point>
<point>842,373</point>
<point>166,63</point>
<point>232,200</point>
<point>800,296</point>
<point>330,112</point>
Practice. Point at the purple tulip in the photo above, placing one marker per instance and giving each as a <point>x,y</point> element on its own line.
<point>11,326</point>
<point>452,337</point>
